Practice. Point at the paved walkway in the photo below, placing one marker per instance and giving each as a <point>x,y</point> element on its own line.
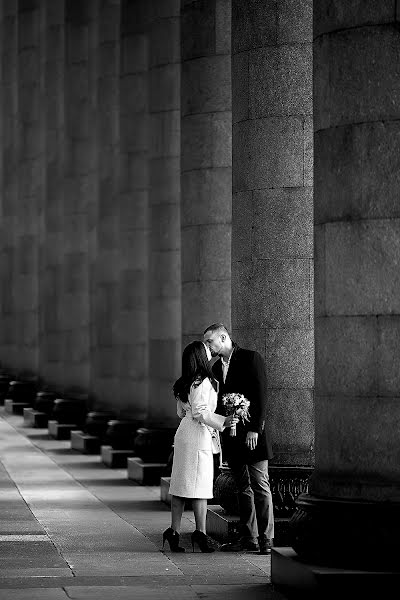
<point>70,527</point>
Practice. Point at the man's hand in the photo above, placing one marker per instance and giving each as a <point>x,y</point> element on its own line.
<point>251,439</point>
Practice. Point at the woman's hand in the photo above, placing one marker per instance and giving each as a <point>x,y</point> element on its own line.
<point>231,420</point>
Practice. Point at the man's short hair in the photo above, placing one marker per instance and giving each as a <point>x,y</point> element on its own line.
<point>220,327</point>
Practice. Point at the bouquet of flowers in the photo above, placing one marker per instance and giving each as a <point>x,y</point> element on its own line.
<point>238,405</point>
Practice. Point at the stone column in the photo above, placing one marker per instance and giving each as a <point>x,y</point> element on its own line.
<point>51,238</point>
<point>164,200</point>
<point>355,488</point>
<point>9,94</point>
<point>77,166</point>
<point>206,165</point>
<point>272,250</point>
<point>105,286</point>
<point>133,323</point>
<point>30,187</point>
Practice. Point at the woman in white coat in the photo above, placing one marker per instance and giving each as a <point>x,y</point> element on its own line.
<point>196,440</point>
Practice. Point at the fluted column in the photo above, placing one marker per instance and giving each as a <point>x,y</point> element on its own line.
<point>272,250</point>
<point>356,482</point>
<point>133,323</point>
<point>206,165</point>
<point>164,206</point>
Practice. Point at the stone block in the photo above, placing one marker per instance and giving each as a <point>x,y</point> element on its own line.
<point>204,302</point>
<point>290,358</point>
<point>165,228</point>
<point>220,525</point>
<point>242,232</point>
<point>60,431</point>
<point>343,15</point>
<point>319,271</point>
<point>268,153</point>
<point>355,437</point>
<point>295,22</point>
<point>84,443</point>
<point>206,141</point>
<point>164,88</point>
<point>164,180</point>
<point>350,178</point>
<point>198,30</point>
<point>133,361</point>
<point>165,134</point>
<point>35,418</point>
<point>369,282</point>
<point>145,473</point>
<point>240,87</point>
<point>134,133</point>
<point>165,496</point>
<point>345,355</point>
<point>291,420</point>
<point>272,294</point>
<point>294,577</point>
<point>387,355</point>
<point>134,95</point>
<point>115,459</point>
<point>280,81</point>
<point>164,354</point>
<point>206,85</point>
<point>134,54</point>
<point>133,250</point>
<point>165,42</point>
<point>206,196</point>
<point>282,223</point>
<point>308,151</point>
<point>14,408</point>
<point>348,63</point>
<point>191,254</point>
<point>254,25</point>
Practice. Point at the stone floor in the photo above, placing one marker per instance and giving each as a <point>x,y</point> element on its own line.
<point>70,527</point>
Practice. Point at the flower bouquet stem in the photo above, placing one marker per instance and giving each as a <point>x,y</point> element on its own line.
<point>232,430</point>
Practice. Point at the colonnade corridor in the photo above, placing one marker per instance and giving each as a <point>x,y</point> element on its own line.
<point>72,528</point>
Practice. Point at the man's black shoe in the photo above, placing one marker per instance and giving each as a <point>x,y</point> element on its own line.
<point>265,545</point>
<point>240,546</point>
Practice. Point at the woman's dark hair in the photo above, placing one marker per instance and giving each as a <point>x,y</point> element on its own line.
<point>195,368</point>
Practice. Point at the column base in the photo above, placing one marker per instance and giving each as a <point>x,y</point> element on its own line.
<point>35,418</point>
<point>60,431</point>
<point>115,459</point>
<point>221,525</point>
<point>85,443</point>
<point>302,580</point>
<point>345,533</point>
<point>15,408</point>
<point>145,473</point>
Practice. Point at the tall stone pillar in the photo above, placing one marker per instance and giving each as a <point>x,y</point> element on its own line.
<point>30,186</point>
<point>354,492</point>
<point>164,217</point>
<point>77,164</point>
<point>272,250</point>
<point>51,367</point>
<point>9,95</point>
<point>206,165</point>
<point>105,217</point>
<point>133,320</point>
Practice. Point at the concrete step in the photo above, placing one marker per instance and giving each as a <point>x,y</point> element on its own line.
<point>85,443</point>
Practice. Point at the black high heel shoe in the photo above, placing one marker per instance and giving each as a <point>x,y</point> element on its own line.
<point>172,537</point>
<point>200,538</point>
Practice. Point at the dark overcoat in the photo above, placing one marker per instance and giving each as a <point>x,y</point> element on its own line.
<point>246,375</point>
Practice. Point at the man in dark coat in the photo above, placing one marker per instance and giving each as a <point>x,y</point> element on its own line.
<point>242,371</point>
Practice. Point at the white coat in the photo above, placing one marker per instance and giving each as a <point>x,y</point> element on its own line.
<point>192,466</point>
